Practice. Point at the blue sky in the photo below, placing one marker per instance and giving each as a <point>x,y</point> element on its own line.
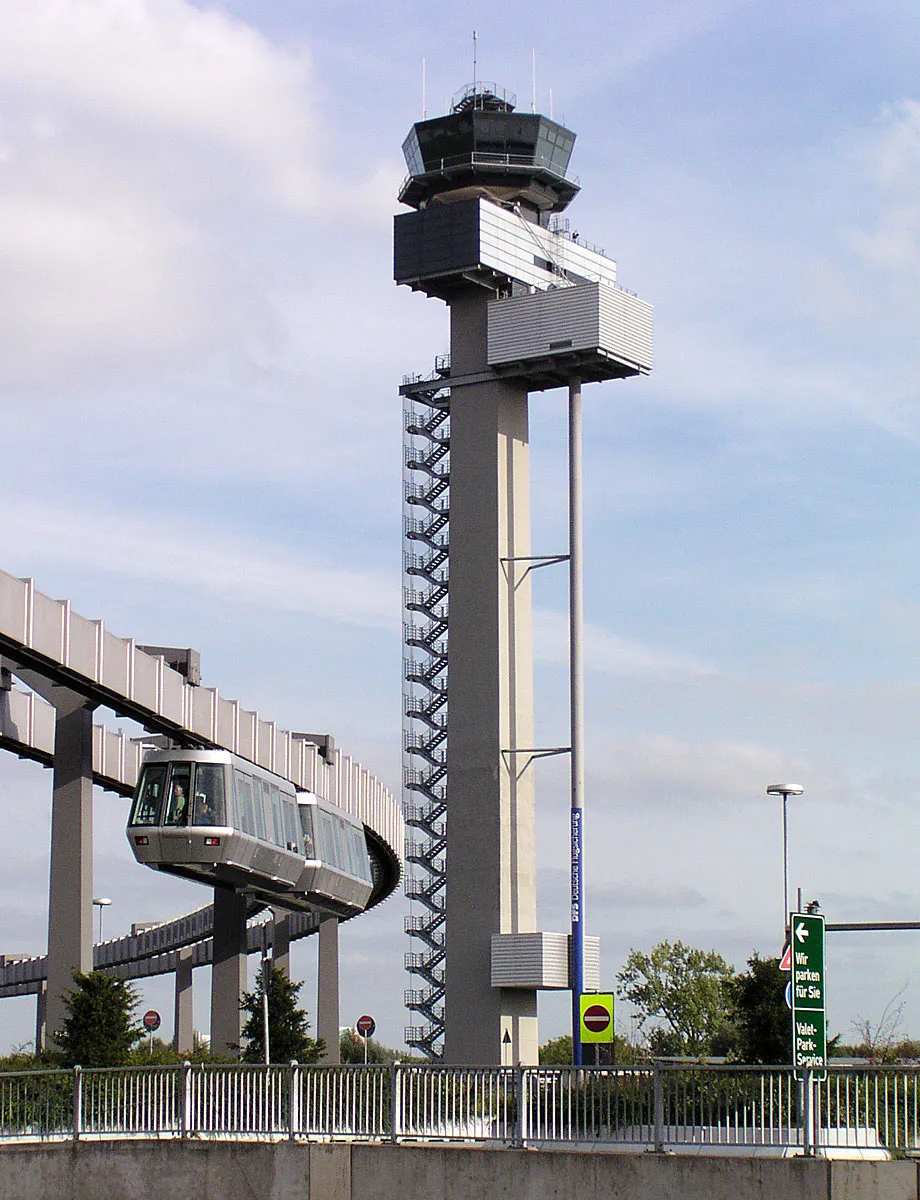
<point>200,351</point>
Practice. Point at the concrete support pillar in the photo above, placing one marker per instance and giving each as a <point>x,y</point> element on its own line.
<point>281,941</point>
<point>70,893</point>
<point>184,1035</point>
<point>490,831</point>
<point>228,973</point>
<point>41,1002</point>
<point>327,987</point>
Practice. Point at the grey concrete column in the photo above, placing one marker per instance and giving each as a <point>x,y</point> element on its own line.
<point>70,893</point>
<point>281,941</point>
<point>327,987</point>
<point>490,828</point>
<point>228,973</point>
<point>41,1002</point>
<point>184,1035</point>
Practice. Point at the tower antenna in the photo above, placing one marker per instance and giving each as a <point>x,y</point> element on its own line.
<point>533,80</point>
<point>474,66</point>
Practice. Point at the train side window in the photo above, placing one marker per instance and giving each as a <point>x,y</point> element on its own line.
<point>149,795</point>
<point>209,795</point>
<point>244,803</point>
<point>277,818</point>
<point>258,808</point>
<point>306,824</point>
<point>289,817</point>
<point>359,853</point>
<point>178,797</point>
<point>326,838</point>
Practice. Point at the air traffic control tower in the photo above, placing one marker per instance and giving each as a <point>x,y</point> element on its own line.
<point>532,307</point>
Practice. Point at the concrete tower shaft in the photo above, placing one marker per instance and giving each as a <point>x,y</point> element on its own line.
<point>491,862</point>
<point>531,307</point>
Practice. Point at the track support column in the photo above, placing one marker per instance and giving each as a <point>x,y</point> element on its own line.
<point>184,1035</point>
<point>70,892</point>
<point>228,974</point>
<point>327,987</point>
<point>281,941</point>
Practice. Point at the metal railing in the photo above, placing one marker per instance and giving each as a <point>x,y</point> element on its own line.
<point>660,1106</point>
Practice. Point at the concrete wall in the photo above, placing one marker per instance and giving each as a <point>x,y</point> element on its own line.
<point>284,1171</point>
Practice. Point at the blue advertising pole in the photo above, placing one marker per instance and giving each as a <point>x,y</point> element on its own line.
<point>576,713</point>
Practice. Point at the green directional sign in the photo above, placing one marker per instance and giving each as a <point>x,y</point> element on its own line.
<point>809,1021</point>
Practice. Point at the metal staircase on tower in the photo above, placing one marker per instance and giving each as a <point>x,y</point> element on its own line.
<point>427,494</point>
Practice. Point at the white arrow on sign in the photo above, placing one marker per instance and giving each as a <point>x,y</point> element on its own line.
<point>801,931</point>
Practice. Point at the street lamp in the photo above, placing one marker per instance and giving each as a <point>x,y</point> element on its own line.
<point>102,903</point>
<point>785,790</point>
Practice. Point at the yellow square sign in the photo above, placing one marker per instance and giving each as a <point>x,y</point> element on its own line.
<point>596,1016</point>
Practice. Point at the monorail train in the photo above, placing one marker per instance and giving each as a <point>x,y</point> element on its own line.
<point>211,816</point>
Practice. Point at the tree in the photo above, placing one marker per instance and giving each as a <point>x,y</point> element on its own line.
<point>688,989</point>
<point>763,1022</point>
<point>557,1052</point>
<point>351,1049</point>
<point>882,1042</point>
<point>287,1024</point>
<point>98,1029</point>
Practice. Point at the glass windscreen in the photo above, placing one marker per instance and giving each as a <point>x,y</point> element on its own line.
<point>149,795</point>
<point>177,798</point>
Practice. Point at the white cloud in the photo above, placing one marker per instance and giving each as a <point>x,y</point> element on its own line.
<point>211,561</point>
<point>608,653</point>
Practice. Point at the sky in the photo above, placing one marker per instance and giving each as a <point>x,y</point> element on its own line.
<point>200,352</point>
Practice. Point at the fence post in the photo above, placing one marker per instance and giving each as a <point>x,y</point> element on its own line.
<point>77,1102</point>
<point>658,1089</point>
<point>185,1106</point>
<point>293,1102</point>
<point>395,1101</point>
<point>520,1128</point>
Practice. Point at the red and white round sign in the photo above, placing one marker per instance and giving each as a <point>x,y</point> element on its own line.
<point>596,1018</point>
<point>151,1020</point>
<point>365,1026</point>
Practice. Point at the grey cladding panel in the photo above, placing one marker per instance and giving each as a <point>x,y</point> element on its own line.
<point>437,240</point>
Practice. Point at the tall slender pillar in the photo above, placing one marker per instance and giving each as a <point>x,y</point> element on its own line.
<point>228,973</point>
<point>41,1001</point>
<point>70,893</point>
<point>184,1030</point>
<point>327,987</point>
<point>281,941</point>
<point>491,858</point>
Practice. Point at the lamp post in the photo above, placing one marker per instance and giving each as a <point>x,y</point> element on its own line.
<point>102,903</point>
<point>785,790</point>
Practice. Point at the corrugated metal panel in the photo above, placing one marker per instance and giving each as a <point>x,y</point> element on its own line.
<point>588,317</point>
<point>626,326</point>
<point>540,960</point>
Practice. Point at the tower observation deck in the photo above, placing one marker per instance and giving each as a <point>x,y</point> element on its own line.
<point>531,307</point>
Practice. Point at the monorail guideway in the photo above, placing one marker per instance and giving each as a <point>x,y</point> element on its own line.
<point>73,666</point>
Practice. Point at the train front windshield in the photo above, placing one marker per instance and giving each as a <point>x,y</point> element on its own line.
<point>180,794</point>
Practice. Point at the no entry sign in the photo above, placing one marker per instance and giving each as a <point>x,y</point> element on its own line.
<point>365,1026</point>
<point>596,1017</point>
<point>151,1020</point>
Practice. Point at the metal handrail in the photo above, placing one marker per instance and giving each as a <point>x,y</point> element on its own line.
<point>659,1106</point>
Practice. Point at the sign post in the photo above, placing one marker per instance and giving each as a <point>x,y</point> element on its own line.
<point>809,1015</point>
<point>151,1022</point>
<point>365,1025</point>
